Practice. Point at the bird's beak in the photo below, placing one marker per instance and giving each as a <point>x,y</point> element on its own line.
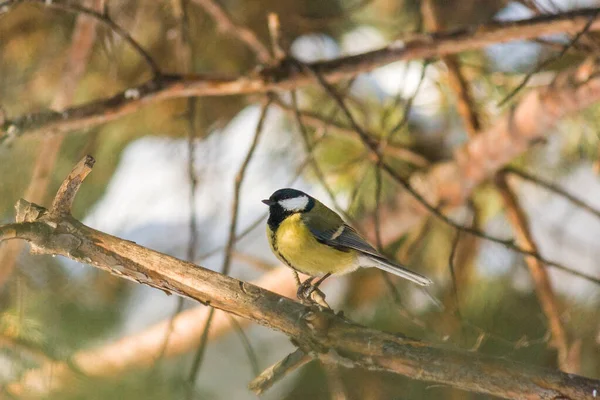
<point>268,202</point>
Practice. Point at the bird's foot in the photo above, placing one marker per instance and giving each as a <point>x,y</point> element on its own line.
<point>305,289</point>
<point>312,296</point>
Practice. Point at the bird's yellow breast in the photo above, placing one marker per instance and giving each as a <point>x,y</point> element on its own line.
<point>296,246</point>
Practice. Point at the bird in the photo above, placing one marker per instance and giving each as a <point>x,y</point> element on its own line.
<point>310,238</point>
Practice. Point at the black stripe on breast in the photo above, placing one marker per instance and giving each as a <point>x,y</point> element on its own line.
<point>281,256</point>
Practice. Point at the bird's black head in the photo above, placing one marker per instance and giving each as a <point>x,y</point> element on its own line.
<point>285,202</point>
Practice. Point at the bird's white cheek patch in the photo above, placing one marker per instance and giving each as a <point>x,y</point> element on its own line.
<point>294,204</point>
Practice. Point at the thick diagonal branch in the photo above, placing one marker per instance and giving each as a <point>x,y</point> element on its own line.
<point>333,338</point>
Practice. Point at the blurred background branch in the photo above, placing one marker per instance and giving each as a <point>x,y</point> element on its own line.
<point>283,77</point>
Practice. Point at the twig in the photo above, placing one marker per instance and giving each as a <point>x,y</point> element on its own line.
<point>282,77</point>
<point>185,56</point>
<point>472,124</point>
<point>451,260</point>
<point>335,339</point>
<point>405,114</point>
<point>553,188</point>
<point>239,180</point>
<point>315,120</point>
<point>458,83</point>
<point>199,355</point>
<point>309,149</point>
<point>225,24</point>
<point>250,353</point>
<point>63,202</point>
<point>378,189</point>
<point>402,310</point>
<point>278,371</point>
<point>103,18</point>
<point>543,286</point>
<point>275,34</point>
<point>548,61</point>
<point>471,121</point>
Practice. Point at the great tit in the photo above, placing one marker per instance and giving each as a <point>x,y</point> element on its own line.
<point>310,238</point>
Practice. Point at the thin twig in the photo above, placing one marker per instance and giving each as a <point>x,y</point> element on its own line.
<point>250,353</point>
<point>193,179</point>
<point>226,24</point>
<point>63,202</point>
<point>226,266</point>
<point>315,120</point>
<point>239,180</point>
<point>405,113</point>
<point>199,355</point>
<point>376,220</point>
<point>309,149</point>
<point>278,371</point>
<point>553,188</point>
<point>548,61</point>
<point>275,34</point>
<point>543,285</point>
<point>451,260</point>
<point>185,55</point>
<point>472,124</point>
<point>101,17</point>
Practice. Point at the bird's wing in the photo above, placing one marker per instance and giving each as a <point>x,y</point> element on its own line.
<point>343,238</point>
<point>329,228</point>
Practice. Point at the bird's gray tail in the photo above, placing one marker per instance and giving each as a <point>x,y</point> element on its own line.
<point>368,260</point>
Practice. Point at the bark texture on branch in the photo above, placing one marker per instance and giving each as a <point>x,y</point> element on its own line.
<point>316,332</point>
<point>287,76</point>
